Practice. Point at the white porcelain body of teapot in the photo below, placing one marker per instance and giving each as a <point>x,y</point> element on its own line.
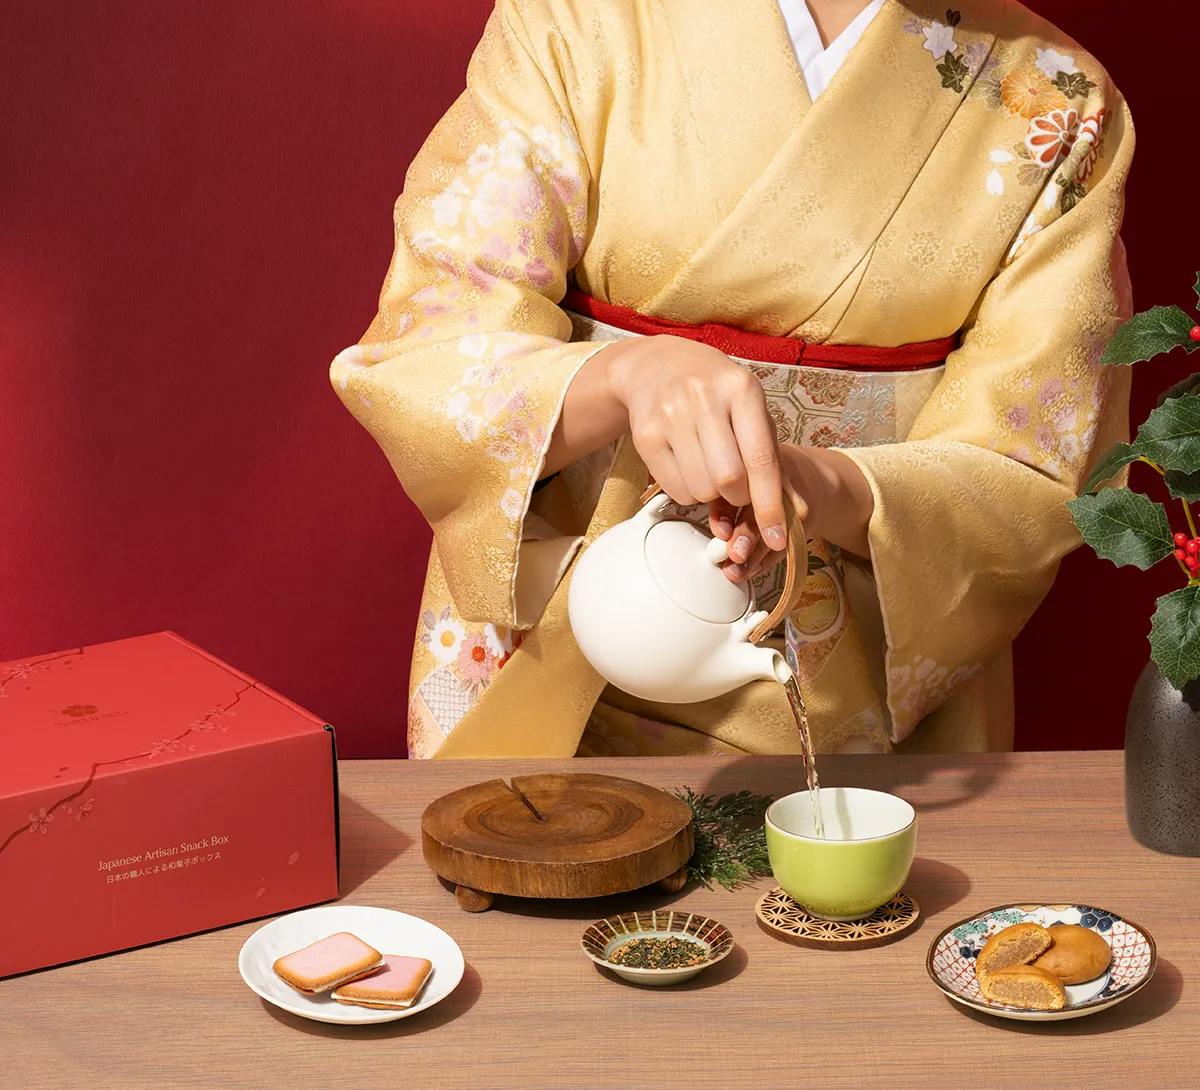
<point>655,615</point>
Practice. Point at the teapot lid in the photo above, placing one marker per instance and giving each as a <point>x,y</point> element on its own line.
<point>680,560</point>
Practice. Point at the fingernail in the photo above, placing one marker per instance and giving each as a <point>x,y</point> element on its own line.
<point>776,536</point>
<point>737,571</point>
<point>742,547</point>
<point>725,526</point>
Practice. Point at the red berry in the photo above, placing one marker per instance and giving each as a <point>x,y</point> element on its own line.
<point>1194,333</point>
<point>1192,563</point>
<point>1181,540</point>
<point>1180,554</point>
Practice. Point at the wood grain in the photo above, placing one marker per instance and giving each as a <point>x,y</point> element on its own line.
<point>557,835</point>
<point>534,1012</point>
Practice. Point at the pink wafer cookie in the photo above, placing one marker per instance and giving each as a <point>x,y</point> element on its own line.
<point>394,986</point>
<point>327,963</point>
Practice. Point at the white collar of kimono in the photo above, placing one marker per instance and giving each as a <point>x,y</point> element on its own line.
<point>816,61</point>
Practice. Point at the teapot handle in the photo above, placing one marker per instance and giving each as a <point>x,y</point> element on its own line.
<point>795,560</point>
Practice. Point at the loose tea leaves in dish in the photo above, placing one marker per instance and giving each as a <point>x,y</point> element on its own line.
<point>654,953</point>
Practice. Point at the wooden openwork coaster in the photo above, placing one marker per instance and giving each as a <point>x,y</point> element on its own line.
<point>783,918</point>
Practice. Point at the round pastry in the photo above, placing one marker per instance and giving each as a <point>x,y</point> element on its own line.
<point>1077,954</point>
<point>1024,986</point>
<point>1015,945</point>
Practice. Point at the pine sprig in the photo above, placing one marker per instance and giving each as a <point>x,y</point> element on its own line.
<point>731,846</point>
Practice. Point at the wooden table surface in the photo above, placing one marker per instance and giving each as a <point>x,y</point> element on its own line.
<point>533,1012</point>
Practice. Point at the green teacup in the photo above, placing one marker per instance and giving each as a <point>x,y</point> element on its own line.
<point>870,839</point>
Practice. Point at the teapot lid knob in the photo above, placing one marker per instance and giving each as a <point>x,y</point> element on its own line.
<point>717,551</point>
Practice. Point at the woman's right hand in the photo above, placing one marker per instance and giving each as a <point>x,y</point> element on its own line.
<point>700,424</point>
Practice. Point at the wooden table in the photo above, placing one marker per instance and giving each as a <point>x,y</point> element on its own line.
<point>533,1012</point>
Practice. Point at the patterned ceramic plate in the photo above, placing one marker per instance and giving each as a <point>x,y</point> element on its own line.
<point>951,960</point>
<point>604,936</point>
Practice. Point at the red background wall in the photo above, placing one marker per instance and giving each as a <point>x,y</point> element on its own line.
<point>195,207</point>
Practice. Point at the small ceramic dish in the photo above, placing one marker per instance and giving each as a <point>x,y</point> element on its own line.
<point>388,931</point>
<point>951,960</point>
<point>605,936</point>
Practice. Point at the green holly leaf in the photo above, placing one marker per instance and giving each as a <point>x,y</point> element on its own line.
<point>1175,636</point>
<point>1170,435</point>
<point>1149,334</point>
<point>1181,389</point>
<point>1196,287</point>
<point>1124,527</point>
<point>1073,84</point>
<point>1120,455</point>
<point>953,17</point>
<point>953,72</point>
<point>1183,486</point>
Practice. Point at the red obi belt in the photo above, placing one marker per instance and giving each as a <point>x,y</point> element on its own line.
<point>763,348</point>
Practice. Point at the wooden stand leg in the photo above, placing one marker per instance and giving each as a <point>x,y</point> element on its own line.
<point>472,900</point>
<point>673,883</point>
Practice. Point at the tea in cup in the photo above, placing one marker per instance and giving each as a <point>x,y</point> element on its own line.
<point>862,861</point>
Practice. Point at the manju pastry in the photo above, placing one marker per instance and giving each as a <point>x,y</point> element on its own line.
<point>1024,986</point>
<point>1077,954</point>
<point>327,963</point>
<point>1015,945</point>
<point>395,986</point>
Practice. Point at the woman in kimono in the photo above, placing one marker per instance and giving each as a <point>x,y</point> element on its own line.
<point>696,243</point>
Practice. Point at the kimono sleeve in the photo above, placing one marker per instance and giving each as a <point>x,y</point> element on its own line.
<point>970,518</point>
<point>461,376</point>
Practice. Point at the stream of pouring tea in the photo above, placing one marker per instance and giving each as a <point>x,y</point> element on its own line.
<point>796,700</point>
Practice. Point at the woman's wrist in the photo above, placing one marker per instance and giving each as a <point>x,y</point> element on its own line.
<point>621,361</point>
<point>839,498</point>
<point>593,412</point>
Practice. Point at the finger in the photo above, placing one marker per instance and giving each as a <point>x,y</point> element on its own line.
<point>744,539</point>
<point>723,458</point>
<point>756,440</point>
<point>670,475</point>
<point>721,517</point>
<point>760,559</point>
<point>689,456</point>
<point>660,462</point>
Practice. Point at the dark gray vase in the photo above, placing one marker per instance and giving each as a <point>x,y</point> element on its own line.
<point>1162,764</point>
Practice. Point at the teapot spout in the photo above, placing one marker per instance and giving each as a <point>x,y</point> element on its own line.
<point>751,663</point>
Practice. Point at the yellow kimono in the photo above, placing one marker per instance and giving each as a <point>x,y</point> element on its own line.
<point>963,172</point>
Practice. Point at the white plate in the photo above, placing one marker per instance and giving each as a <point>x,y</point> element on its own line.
<point>389,932</point>
<point>951,959</point>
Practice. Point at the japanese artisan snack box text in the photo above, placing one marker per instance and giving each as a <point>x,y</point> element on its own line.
<point>148,791</point>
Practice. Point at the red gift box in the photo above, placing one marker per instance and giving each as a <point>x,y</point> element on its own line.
<point>147,791</point>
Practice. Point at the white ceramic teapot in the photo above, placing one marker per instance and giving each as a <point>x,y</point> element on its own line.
<point>654,614</point>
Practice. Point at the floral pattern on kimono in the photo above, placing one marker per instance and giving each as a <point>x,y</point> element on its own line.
<point>962,173</point>
<point>466,657</point>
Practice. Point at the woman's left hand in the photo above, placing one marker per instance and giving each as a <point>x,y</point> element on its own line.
<point>833,500</point>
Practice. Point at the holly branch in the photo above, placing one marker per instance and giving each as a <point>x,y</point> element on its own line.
<point>1128,528</point>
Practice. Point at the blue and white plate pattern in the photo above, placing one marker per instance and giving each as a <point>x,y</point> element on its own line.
<point>951,960</point>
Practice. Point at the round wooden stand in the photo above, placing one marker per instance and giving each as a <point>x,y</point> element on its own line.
<point>556,835</point>
<point>783,918</point>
